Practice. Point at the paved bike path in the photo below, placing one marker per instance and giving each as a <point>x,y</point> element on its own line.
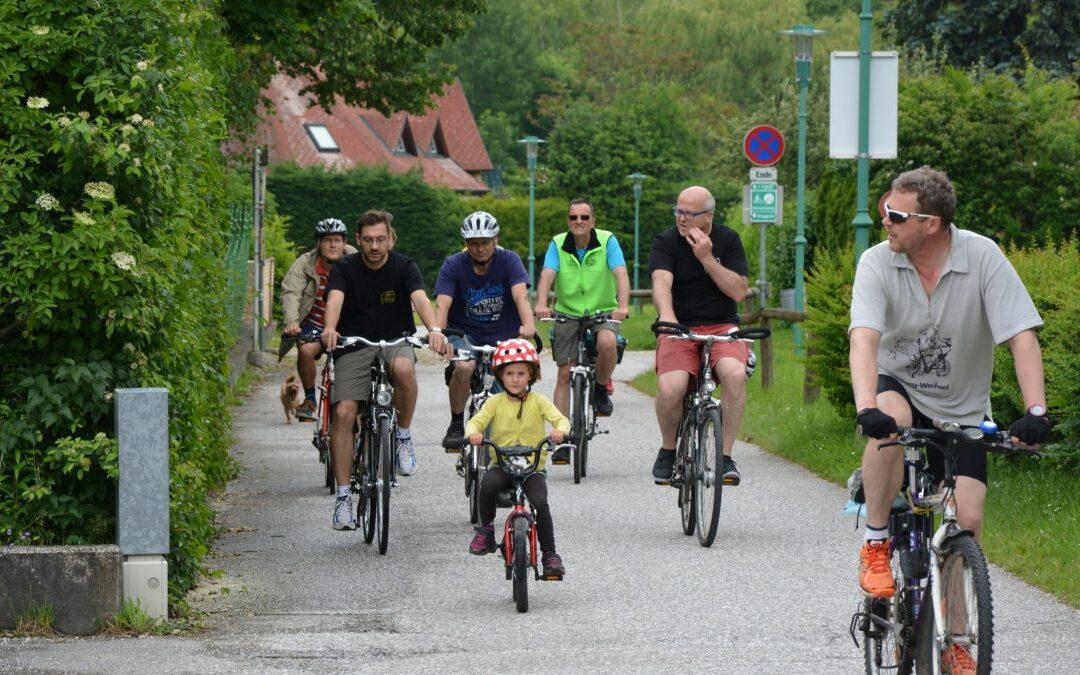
<point>773,595</point>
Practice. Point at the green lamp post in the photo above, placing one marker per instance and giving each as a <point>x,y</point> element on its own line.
<point>636,178</point>
<point>532,148</point>
<point>862,220</point>
<point>803,35</point>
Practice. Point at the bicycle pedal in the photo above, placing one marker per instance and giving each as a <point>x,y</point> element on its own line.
<point>665,482</point>
<point>452,450</point>
<point>560,462</point>
<point>551,577</point>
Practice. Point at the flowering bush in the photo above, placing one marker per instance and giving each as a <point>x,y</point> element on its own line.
<point>111,235</point>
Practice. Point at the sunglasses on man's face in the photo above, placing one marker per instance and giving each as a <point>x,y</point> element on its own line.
<point>584,217</point>
<point>900,217</point>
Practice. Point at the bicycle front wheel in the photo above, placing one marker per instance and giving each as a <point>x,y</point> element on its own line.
<point>384,479</point>
<point>521,564</point>
<point>472,482</point>
<point>966,610</point>
<point>579,394</point>
<point>708,481</point>
<point>368,477</point>
<point>684,467</point>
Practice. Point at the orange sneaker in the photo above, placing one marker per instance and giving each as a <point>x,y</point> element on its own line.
<point>957,660</point>
<point>875,574</point>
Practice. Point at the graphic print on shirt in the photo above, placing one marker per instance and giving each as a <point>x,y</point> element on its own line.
<point>387,298</point>
<point>928,353</point>
<point>485,304</point>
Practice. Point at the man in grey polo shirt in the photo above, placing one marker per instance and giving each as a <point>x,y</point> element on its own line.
<point>928,305</point>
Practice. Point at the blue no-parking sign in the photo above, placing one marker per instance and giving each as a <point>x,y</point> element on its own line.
<point>764,145</point>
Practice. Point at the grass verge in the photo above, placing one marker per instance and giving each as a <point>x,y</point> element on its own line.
<point>1032,518</point>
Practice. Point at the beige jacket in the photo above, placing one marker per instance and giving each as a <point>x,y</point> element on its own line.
<point>300,285</point>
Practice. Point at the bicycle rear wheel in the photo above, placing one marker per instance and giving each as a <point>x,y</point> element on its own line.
<point>521,564</point>
<point>579,390</point>
<point>708,482</point>
<point>966,609</point>
<point>368,477</point>
<point>684,466</point>
<point>385,477</point>
<point>472,482</point>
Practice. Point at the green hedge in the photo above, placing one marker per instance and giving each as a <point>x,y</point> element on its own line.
<point>1051,275</point>
<point>426,230</point>
<point>111,237</point>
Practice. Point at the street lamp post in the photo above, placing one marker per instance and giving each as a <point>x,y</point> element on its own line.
<point>862,221</point>
<point>532,147</point>
<point>637,178</point>
<point>803,35</point>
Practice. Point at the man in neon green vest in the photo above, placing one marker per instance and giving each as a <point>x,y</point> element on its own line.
<point>588,270</point>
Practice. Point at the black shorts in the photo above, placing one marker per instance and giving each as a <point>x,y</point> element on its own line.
<point>971,461</point>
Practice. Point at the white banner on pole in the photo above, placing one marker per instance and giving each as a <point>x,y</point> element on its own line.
<point>844,104</point>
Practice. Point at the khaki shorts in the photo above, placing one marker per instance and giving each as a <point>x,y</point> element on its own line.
<point>684,355</point>
<point>564,339</point>
<point>352,371</point>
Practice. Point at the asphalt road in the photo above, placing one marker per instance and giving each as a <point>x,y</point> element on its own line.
<point>774,594</point>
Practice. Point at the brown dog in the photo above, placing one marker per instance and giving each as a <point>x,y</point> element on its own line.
<point>292,395</point>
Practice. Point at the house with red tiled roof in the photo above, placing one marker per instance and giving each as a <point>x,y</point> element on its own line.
<point>444,143</point>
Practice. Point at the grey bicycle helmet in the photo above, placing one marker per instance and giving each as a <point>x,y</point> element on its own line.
<point>329,226</point>
<point>479,225</point>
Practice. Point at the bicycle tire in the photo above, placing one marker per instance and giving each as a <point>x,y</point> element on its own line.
<point>322,443</point>
<point>967,608</point>
<point>521,564</point>
<point>472,483</point>
<point>686,489</point>
<point>385,446</point>
<point>708,481</point>
<point>369,476</point>
<point>578,427</point>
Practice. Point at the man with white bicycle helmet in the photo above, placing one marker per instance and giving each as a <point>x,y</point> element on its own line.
<point>303,302</point>
<point>483,292</point>
<point>517,416</point>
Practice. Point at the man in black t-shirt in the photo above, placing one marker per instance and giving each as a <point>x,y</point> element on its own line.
<point>699,272</point>
<point>372,294</point>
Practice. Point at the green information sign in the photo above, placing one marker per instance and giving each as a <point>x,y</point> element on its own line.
<point>764,202</point>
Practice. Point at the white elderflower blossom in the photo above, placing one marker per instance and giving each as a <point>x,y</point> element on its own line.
<point>136,79</point>
<point>37,102</point>
<point>83,218</point>
<point>84,114</point>
<point>136,118</point>
<point>124,261</point>
<point>39,30</point>
<point>148,123</point>
<point>127,129</point>
<point>63,121</point>
<point>46,202</point>
<point>136,161</point>
<point>102,191</point>
<point>108,396</point>
<point>142,65</point>
<point>124,147</point>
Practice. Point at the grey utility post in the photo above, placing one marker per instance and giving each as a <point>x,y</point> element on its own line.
<point>142,519</point>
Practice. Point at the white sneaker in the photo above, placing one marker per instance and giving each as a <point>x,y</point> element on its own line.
<point>406,456</point>
<point>343,514</point>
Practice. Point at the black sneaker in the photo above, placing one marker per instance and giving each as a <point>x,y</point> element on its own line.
<point>455,436</point>
<point>561,456</point>
<point>731,472</point>
<point>602,401</point>
<point>663,467</point>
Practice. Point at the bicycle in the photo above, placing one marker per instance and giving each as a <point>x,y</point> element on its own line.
<point>942,585</point>
<point>583,425</point>
<point>374,466</point>
<point>519,544</point>
<point>699,450</point>
<point>320,437</point>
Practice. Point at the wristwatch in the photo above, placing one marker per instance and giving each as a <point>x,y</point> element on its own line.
<point>1037,411</point>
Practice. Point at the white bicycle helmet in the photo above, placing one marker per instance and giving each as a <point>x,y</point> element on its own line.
<point>479,225</point>
<point>330,226</point>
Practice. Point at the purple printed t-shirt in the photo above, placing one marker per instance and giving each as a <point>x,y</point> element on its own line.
<point>483,306</point>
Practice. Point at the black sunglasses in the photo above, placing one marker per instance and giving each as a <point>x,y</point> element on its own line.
<point>900,217</point>
<point>574,216</point>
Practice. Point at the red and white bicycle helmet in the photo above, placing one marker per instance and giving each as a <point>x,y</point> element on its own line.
<point>516,350</point>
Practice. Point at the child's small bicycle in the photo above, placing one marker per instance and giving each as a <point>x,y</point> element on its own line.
<point>519,544</point>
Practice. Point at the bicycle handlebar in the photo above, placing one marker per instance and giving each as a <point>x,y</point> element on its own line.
<point>591,319</point>
<point>681,332</point>
<point>991,439</point>
<point>504,454</point>
<point>484,349</point>
<point>344,342</point>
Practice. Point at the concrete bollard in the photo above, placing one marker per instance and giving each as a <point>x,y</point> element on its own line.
<point>142,519</point>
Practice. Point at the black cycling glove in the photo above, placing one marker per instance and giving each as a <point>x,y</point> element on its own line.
<point>875,423</point>
<point>1031,429</point>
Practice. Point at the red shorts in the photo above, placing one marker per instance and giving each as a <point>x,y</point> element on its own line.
<point>683,354</point>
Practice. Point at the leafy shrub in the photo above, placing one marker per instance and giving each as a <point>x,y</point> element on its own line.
<point>111,239</point>
<point>828,308</point>
<point>425,231</point>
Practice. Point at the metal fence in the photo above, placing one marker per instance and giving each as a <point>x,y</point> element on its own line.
<point>236,263</point>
